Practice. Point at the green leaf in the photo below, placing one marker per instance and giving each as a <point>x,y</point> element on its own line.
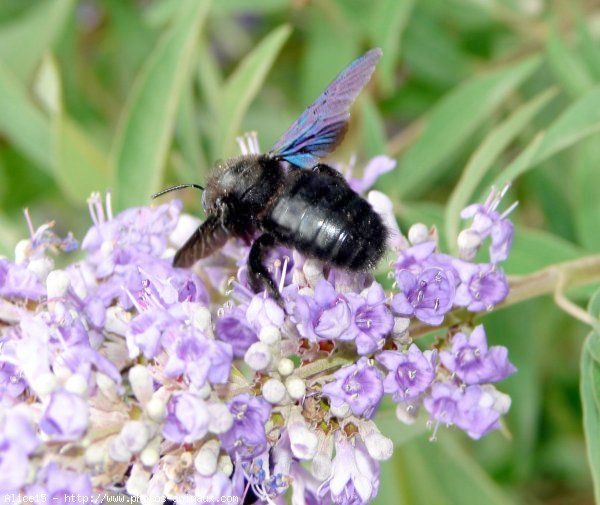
<point>389,19</point>
<point>589,48</point>
<point>534,249</point>
<point>452,122</point>
<point>586,184</point>
<point>567,67</point>
<point>442,473</point>
<point>147,123</point>
<point>79,166</point>
<point>580,120</point>
<point>23,43</point>
<point>241,88</point>
<point>485,156</point>
<point>22,122</point>
<point>590,398</point>
<point>374,137</point>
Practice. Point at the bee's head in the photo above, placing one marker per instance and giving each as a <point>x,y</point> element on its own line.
<point>234,180</point>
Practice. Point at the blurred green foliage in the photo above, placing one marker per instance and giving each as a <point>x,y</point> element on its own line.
<point>133,95</point>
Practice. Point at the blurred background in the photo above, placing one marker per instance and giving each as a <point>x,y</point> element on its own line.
<point>133,95</point>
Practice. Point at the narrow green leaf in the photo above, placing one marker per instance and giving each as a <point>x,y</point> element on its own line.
<point>22,122</point>
<point>142,142</point>
<point>79,166</point>
<point>586,187</point>
<point>374,137</point>
<point>23,43</point>
<point>389,19</point>
<point>580,120</point>
<point>589,47</point>
<point>485,156</point>
<point>567,67</point>
<point>590,398</point>
<point>452,122</point>
<point>241,88</point>
<point>210,80</point>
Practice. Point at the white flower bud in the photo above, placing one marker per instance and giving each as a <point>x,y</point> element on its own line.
<point>156,409</point>
<point>118,451</point>
<point>41,267</point>
<point>273,391</point>
<point>313,271</point>
<point>22,251</point>
<point>221,420</point>
<point>135,435</point>
<point>206,460</point>
<point>296,387</point>
<point>77,384</point>
<point>303,442</point>
<point>340,411</point>
<point>95,454</point>
<point>138,481</point>
<point>107,248</point>
<point>203,392</point>
<point>117,320</point>
<point>141,383</point>
<point>44,384</point>
<point>406,414</point>
<point>269,335</point>
<point>225,465</point>
<point>321,466</point>
<point>202,319</point>
<point>469,242</point>
<point>378,446</point>
<point>258,356</point>
<point>401,324</point>
<point>108,387</point>
<point>57,284</point>
<point>285,366</point>
<point>418,233</point>
<point>149,456</point>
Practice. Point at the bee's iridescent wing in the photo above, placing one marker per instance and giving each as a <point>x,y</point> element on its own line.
<point>321,127</point>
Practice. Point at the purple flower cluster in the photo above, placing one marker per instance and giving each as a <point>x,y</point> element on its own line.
<point>120,370</point>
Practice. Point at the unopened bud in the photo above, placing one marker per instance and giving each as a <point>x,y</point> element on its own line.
<point>285,366</point>
<point>273,391</point>
<point>258,356</point>
<point>57,284</point>
<point>269,335</point>
<point>296,387</point>
<point>418,233</point>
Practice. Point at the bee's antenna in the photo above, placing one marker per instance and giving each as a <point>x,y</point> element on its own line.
<point>174,188</point>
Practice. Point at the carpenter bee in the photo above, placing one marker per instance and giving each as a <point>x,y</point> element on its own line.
<point>289,198</point>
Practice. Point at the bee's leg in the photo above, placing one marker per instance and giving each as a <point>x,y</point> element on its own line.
<point>258,276</point>
<point>209,237</point>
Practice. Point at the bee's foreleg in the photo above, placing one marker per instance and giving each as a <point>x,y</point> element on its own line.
<point>209,237</point>
<point>258,276</point>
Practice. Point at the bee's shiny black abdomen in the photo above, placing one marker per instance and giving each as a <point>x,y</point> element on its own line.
<point>321,217</point>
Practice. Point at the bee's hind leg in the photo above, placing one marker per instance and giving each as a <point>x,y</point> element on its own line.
<point>258,276</point>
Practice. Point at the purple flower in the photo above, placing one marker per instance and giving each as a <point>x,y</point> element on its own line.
<point>145,332</point>
<point>233,328</point>
<point>414,258</point>
<point>428,296</point>
<point>61,483</point>
<point>372,319</point>
<point>410,372</point>
<point>17,442</point>
<point>325,316</point>
<point>377,166</point>
<point>472,361</point>
<point>18,282</point>
<point>487,221</point>
<point>443,403</point>
<point>359,386</point>
<point>65,416</point>
<point>187,418</point>
<point>480,410</point>
<point>354,476</point>
<point>264,311</point>
<point>482,286</point>
<point>247,439</point>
